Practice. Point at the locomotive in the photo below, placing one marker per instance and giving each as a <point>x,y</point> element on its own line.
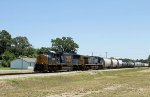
<point>51,61</point>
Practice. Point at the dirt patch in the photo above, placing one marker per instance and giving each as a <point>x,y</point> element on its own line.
<point>75,94</point>
<point>114,87</point>
<point>92,72</point>
<point>140,89</point>
<point>145,71</point>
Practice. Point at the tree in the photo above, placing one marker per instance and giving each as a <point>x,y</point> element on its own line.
<point>5,41</point>
<point>43,49</point>
<point>112,58</point>
<point>64,44</point>
<point>7,58</point>
<point>126,60</point>
<point>30,52</point>
<point>142,60</point>
<point>21,46</point>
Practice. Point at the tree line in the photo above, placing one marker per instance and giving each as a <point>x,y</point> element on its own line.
<point>11,48</point>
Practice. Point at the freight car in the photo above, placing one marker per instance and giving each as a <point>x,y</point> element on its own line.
<point>112,63</point>
<point>54,61</point>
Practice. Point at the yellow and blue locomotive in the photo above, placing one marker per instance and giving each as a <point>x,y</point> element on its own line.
<point>51,62</point>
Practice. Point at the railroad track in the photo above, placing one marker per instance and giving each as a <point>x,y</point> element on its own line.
<point>3,74</point>
<point>26,73</point>
<point>23,73</point>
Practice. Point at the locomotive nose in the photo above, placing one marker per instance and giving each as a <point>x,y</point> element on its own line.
<point>41,63</point>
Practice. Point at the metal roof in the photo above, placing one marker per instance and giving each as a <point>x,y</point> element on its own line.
<point>30,60</point>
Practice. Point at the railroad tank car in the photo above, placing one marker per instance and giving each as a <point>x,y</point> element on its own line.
<point>129,64</point>
<point>138,64</point>
<point>107,63</point>
<point>120,63</point>
<point>132,64</point>
<point>124,64</point>
<point>143,65</point>
<point>114,63</point>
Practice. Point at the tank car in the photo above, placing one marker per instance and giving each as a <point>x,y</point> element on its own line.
<point>138,64</point>
<point>120,63</point>
<point>107,63</point>
<point>124,64</point>
<point>130,64</point>
<point>114,63</point>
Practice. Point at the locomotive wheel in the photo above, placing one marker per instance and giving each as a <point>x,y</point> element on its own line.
<point>83,67</point>
<point>50,69</point>
<point>74,68</point>
<point>55,69</point>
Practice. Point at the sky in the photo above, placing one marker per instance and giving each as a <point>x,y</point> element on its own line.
<point>119,27</point>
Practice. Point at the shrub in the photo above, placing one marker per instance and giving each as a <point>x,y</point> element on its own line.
<point>7,57</point>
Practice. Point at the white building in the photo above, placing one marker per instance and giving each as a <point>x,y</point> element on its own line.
<point>24,63</point>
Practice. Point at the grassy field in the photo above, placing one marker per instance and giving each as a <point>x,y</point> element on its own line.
<point>121,83</point>
<point>5,68</point>
<point>8,68</point>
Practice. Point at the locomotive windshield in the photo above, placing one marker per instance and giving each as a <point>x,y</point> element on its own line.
<point>50,54</point>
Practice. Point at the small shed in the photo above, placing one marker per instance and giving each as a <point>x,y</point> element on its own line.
<point>23,63</point>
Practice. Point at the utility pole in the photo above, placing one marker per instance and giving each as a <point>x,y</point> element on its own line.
<point>22,58</point>
<point>92,53</point>
<point>106,54</point>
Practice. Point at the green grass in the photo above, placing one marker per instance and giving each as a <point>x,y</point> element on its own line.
<point>5,68</point>
<point>8,68</point>
<point>121,83</point>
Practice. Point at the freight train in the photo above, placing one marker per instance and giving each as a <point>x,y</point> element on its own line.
<point>51,61</point>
